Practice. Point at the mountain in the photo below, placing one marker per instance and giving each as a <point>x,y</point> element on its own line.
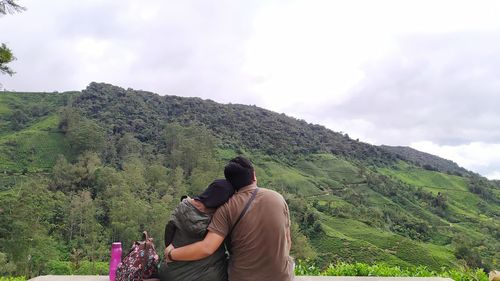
<point>426,160</point>
<point>102,164</point>
<point>235,125</point>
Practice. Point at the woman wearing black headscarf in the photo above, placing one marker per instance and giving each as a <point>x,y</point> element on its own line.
<point>188,224</point>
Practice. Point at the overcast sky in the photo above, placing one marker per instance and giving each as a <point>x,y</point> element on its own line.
<point>418,73</point>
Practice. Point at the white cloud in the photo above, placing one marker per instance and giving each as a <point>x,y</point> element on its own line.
<point>101,59</point>
<point>186,48</point>
<point>477,156</point>
<point>494,176</point>
<point>387,71</point>
<point>306,53</point>
<point>309,53</point>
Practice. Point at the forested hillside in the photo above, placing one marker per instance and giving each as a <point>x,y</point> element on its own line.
<point>80,170</point>
<point>426,160</point>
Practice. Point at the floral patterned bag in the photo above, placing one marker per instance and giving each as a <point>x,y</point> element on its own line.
<point>140,263</point>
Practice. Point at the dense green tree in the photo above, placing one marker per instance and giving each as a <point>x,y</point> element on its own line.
<point>134,172</point>
<point>64,175</point>
<point>87,135</point>
<point>6,56</point>
<point>156,176</point>
<point>18,120</point>
<point>106,177</point>
<point>69,177</point>
<point>301,248</point>
<point>127,214</point>
<point>83,229</point>
<point>6,267</point>
<point>189,147</point>
<point>201,177</point>
<point>83,134</point>
<point>68,118</point>
<point>157,149</point>
<point>127,146</point>
<point>10,7</point>
<point>157,217</point>
<point>176,183</point>
<point>470,256</point>
<point>25,226</point>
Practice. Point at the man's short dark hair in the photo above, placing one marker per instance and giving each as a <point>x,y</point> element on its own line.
<point>239,172</point>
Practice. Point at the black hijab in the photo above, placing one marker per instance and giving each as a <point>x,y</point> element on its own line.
<point>216,194</point>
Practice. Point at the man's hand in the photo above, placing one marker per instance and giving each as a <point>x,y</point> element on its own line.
<point>167,250</point>
<point>197,250</point>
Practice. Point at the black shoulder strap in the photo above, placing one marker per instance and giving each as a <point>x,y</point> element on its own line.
<point>170,230</point>
<point>254,193</point>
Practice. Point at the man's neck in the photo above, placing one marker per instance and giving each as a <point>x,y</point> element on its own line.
<point>251,186</point>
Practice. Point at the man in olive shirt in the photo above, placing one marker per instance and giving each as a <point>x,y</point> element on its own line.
<point>260,241</point>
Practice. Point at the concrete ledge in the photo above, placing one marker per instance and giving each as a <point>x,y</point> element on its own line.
<point>368,278</point>
<point>298,278</point>
<point>70,278</point>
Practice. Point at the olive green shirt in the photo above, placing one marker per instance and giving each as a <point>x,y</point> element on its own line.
<point>191,225</point>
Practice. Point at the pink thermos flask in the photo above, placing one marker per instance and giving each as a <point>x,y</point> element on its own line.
<point>116,258</point>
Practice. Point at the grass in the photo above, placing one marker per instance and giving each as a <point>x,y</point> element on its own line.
<point>429,180</point>
<point>8,181</point>
<point>282,177</point>
<point>462,204</point>
<point>329,167</point>
<point>350,240</point>
<point>34,149</point>
<point>27,102</point>
<point>397,250</point>
<point>226,154</point>
<point>337,246</point>
<point>4,109</point>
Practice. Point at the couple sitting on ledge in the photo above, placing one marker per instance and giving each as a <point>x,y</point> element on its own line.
<point>232,216</point>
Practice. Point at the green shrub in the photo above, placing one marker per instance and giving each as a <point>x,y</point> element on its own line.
<point>362,269</point>
<point>84,268</point>
<point>59,268</point>
<point>466,275</point>
<point>92,268</point>
<point>306,268</point>
<point>12,278</point>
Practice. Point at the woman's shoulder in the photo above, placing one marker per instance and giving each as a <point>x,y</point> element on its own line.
<point>189,205</point>
<point>187,212</point>
<point>199,205</point>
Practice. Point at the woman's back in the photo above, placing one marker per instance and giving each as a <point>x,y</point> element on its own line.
<point>191,226</point>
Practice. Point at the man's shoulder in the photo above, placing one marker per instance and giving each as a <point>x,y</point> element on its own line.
<point>231,204</point>
<point>236,201</point>
<point>269,191</point>
<point>271,194</point>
